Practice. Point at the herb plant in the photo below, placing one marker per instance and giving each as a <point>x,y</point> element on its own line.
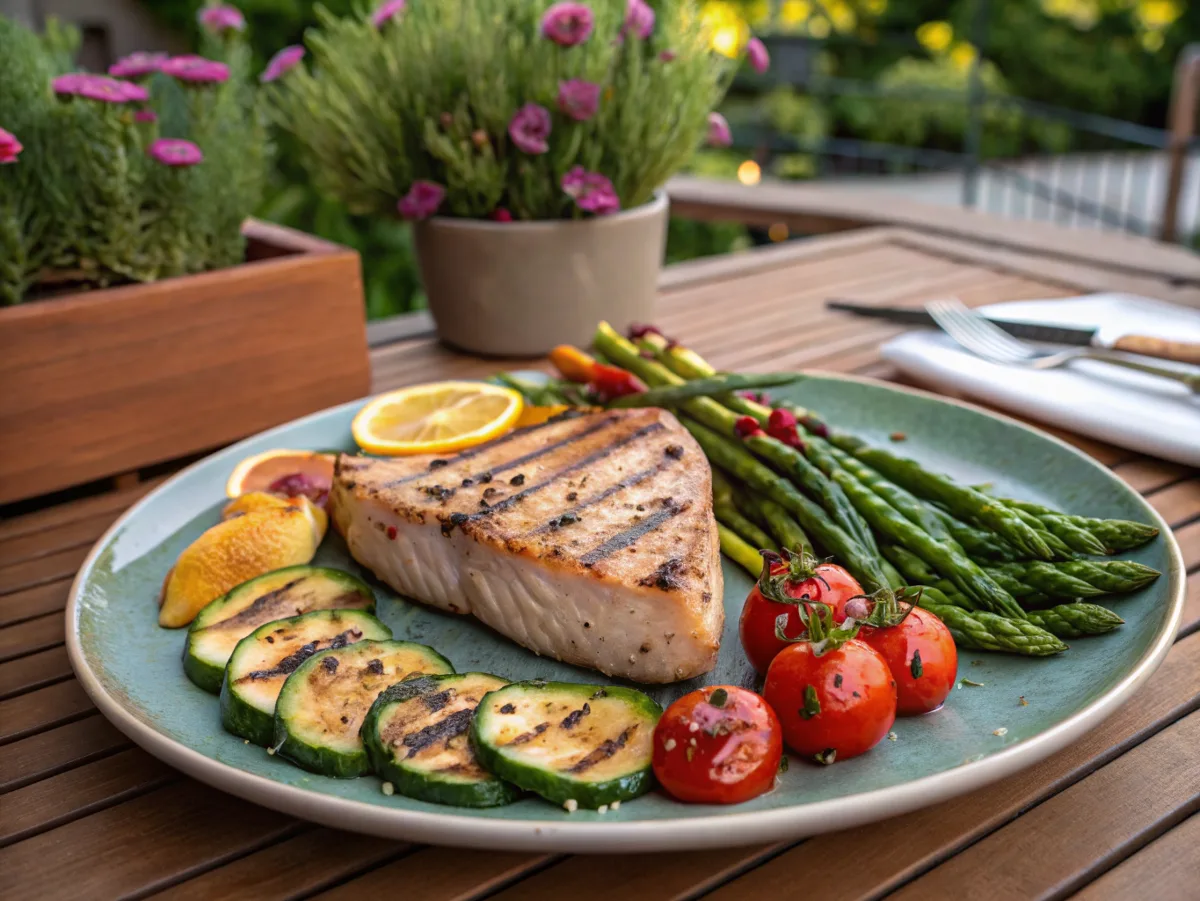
<point>145,173</point>
<point>507,109</point>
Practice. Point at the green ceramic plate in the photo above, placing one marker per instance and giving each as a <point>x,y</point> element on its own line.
<point>131,668</point>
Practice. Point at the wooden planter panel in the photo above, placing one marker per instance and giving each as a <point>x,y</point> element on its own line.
<point>108,381</point>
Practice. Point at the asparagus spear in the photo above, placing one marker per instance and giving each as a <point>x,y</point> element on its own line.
<point>782,524</point>
<point>965,502</point>
<point>672,395</point>
<point>980,630</point>
<point>785,459</point>
<point>1115,534</point>
<point>912,507</point>
<point>1060,549</point>
<point>737,550</point>
<point>728,514</point>
<point>978,543</point>
<point>731,456</point>
<point>685,364</point>
<point>1072,578</point>
<point>1076,620</point>
<point>913,568</point>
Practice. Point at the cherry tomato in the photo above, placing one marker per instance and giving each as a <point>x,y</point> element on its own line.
<point>922,658</point>
<point>824,583</point>
<point>834,705</point>
<point>717,745</point>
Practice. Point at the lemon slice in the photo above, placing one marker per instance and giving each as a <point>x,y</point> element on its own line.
<point>435,418</point>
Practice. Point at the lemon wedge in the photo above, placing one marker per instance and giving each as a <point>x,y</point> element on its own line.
<point>436,418</point>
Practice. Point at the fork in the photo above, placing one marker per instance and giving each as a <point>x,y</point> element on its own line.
<point>987,340</point>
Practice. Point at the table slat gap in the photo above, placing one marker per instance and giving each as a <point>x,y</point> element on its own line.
<point>1162,867</point>
<point>55,751</point>
<point>31,636</point>
<point>34,671</point>
<point>21,606</point>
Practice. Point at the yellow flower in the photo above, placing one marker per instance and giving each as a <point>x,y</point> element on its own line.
<point>841,15</point>
<point>794,12</point>
<point>875,7</point>
<point>935,36</point>
<point>1152,41</point>
<point>819,28</point>
<point>963,56</point>
<point>1158,14</point>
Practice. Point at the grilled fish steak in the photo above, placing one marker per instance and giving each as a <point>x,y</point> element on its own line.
<point>589,538</point>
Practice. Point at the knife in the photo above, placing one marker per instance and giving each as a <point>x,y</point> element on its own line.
<point>1147,345</point>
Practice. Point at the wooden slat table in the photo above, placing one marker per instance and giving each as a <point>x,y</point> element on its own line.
<point>86,815</point>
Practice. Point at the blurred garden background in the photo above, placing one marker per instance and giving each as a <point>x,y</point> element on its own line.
<point>1043,108</point>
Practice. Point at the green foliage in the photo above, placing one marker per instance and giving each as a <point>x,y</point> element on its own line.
<point>84,202</point>
<point>429,96</point>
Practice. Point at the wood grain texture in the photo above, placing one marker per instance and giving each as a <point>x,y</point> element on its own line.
<point>30,573</point>
<point>298,866</point>
<point>1146,474</point>
<point>1178,503</point>
<point>907,846</point>
<point>441,874</point>
<point>42,709</point>
<point>111,502</point>
<point>39,600</point>
<point>41,756</point>
<point>31,636</point>
<point>33,671</point>
<point>1084,830</point>
<point>139,374</point>
<point>1180,351</point>
<point>1166,868</point>
<point>175,832</point>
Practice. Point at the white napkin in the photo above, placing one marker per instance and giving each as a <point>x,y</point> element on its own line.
<point>1124,407</point>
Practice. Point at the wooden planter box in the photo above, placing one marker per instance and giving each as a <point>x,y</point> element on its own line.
<point>105,382</point>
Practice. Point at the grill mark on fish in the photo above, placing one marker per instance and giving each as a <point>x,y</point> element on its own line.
<point>591,458</point>
<point>484,448</point>
<point>451,727</point>
<point>550,448</point>
<point>630,535</point>
<point>630,481</point>
<point>606,750</point>
<point>292,661</point>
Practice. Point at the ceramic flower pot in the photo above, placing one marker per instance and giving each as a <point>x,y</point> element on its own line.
<point>517,289</point>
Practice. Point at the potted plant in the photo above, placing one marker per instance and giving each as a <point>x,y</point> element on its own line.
<point>144,318</point>
<point>528,141</point>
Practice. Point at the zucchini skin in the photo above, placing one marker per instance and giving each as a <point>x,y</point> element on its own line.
<point>246,721</point>
<point>206,675</point>
<point>553,787</point>
<point>424,786</point>
<point>326,761</point>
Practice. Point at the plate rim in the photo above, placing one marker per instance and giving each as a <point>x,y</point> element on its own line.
<point>725,829</point>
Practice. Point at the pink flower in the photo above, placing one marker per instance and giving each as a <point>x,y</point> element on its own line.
<point>196,69</point>
<point>500,214</point>
<point>99,87</point>
<point>530,127</point>
<point>421,201</point>
<point>591,191</point>
<point>175,152</point>
<point>220,19</point>
<point>9,147</point>
<point>145,115</point>
<point>719,134</point>
<point>568,24</point>
<point>137,64</point>
<point>639,19</point>
<point>282,62</point>
<point>578,99</point>
<point>387,11</point>
<point>756,53</point>
<point>667,56</point>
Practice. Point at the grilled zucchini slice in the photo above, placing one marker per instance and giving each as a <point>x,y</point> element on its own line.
<point>416,736</point>
<point>264,659</point>
<point>290,591</point>
<point>575,745</point>
<point>323,703</point>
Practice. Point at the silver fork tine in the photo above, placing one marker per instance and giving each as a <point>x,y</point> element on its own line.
<point>975,333</point>
<point>996,335</point>
<point>965,335</point>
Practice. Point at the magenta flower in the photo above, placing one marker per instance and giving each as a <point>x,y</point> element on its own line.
<point>282,62</point>
<point>639,19</point>
<point>137,64</point>
<point>530,127</point>
<point>175,152</point>
<point>756,53</point>
<point>500,214</point>
<point>98,87</point>
<point>9,147</point>
<point>667,56</point>
<point>719,134</point>
<point>195,69</point>
<point>568,24</point>
<point>387,12</point>
<point>145,115</point>
<point>220,19</point>
<point>421,201</point>
<point>591,191</point>
<point>578,99</point>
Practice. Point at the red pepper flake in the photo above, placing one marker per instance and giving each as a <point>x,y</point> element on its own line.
<point>746,426</point>
<point>897,436</point>
<point>391,532</point>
